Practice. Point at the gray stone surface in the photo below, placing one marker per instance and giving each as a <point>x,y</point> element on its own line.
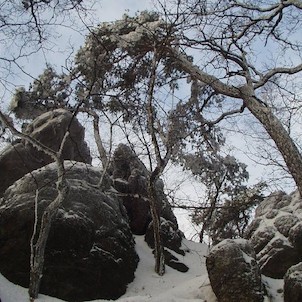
<point>49,129</point>
<point>233,272</point>
<point>293,284</point>
<point>90,253</point>
<point>276,233</point>
<point>130,176</point>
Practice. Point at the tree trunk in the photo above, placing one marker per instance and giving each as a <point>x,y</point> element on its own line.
<point>290,152</point>
<point>286,146</point>
<point>38,248</point>
<point>98,141</point>
<point>158,246</point>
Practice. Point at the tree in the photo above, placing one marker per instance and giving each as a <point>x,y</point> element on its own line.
<point>39,237</point>
<point>228,34</point>
<point>24,30</point>
<point>117,72</point>
<point>28,27</point>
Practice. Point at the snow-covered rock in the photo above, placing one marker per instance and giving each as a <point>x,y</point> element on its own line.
<point>173,286</point>
<point>90,252</point>
<point>233,272</point>
<point>130,176</point>
<point>276,233</point>
<point>293,284</point>
<point>49,129</point>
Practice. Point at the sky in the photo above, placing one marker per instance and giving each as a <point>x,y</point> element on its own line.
<point>69,40</point>
<point>107,10</point>
<point>65,42</point>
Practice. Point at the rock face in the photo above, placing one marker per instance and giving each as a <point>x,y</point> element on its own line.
<point>293,284</point>
<point>234,273</point>
<point>130,177</point>
<point>50,128</point>
<point>276,233</point>
<point>90,253</point>
<point>171,238</point>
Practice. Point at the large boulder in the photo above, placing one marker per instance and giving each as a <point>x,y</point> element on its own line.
<point>171,238</point>
<point>276,233</point>
<point>49,129</point>
<point>233,272</point>
<point>293,284</point>
<point>130,177</point>
<point>90,253</point>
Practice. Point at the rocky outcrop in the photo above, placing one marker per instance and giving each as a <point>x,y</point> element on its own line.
<point>49,128</point>
<point>130,176</point>
<point>171,238</point>
<point>90,252</point>
<point>276,233</point>
<point>233,272</point>
<point>293,284</point>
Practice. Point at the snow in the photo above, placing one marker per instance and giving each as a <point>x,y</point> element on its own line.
<point>174,286</point>
<point>274,288</point>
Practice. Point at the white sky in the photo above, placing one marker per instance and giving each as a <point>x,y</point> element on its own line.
<point>103,11</point>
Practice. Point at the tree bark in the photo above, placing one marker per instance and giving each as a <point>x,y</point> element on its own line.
<point>98,141</point>
<point>286,146</point>
<point>38,248</point>
<point>158,246</point>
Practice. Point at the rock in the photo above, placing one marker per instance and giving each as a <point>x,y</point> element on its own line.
<point>138,213</point>
<point>49,129</point>
<point>295,235</point>
<point>276,258</point>
<point>262,237</point>
<point>171,238</point>
<point>285,223</point>
<point>293,284</point>
<point>90,253</point>
<point>233,272</point>
<point>174,262</point>
<point>276,233</point>
<point>130,176</point>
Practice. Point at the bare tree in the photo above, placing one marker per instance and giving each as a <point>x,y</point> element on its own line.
<point>226,37</point>
<point>29,27</point>
<point>136,66</point>
<point>39,237</point>
<point>124,68</point>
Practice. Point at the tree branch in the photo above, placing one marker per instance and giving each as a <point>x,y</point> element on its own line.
<point>279,70</point>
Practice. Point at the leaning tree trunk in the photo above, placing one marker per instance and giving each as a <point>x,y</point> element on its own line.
<point>286,146</point>
<point>290,152</point>
<point>158,245</point>
<point>38,247</point>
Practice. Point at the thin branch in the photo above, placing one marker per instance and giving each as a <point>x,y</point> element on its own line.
<point>278,70</point>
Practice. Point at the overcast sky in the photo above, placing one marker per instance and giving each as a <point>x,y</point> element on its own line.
<point>69,41</point>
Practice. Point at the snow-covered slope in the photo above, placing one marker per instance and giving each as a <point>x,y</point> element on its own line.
<point>147,286</point>
<point>174,286</point>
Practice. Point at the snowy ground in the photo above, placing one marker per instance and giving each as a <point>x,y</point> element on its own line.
<point>174,286</point>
